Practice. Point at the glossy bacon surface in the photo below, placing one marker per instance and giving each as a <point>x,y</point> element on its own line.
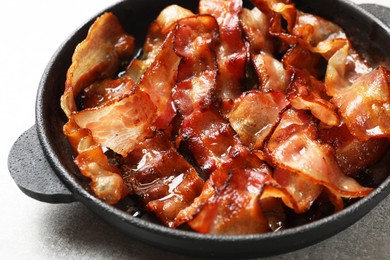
<point>164,180</point>
<point>294,147</point>
<point>195,37</point>
<point>96,58</point>
<point>106,181</point>
<point>120,125</point>
<point>231,52</point>
<point>254,115</point>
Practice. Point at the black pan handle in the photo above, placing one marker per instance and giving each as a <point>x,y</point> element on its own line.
<point>32,172</point>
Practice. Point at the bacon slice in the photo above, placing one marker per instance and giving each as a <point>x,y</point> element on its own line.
<point>301,58</point>
<point>231,52</point>
<point>194,42</point>
<point>255,26</point>
<point>303,190</point>
<point>159,80</point>
<point>293,147</point>
<point>157,33</point>
<point>101,92</point>
<point>352,154</point>
<point>97,57</point>
<point>106,181</point>
<point>231,198</point>
<point>254,115</point>
<point>120,125</point>
<point>271,73</point>
<point>235,208</point>
<point>365,105</point>
<point>308,93</point>
<point>208,137</point>
<point>164,180</point>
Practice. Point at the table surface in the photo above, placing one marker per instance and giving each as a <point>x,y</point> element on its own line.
<point>29,229</point>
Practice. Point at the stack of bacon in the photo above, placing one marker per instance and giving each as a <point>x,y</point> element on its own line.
<point>229,118</point>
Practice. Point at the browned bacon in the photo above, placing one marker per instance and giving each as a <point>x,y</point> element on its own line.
<point>352,154</point>
<point>101,92</point>
<point>231,52</point>
<point>255,25</point>
<point>164,180</point>
<point>194,42</point>
<point>121,124</point>
<point>155,37</point>
<point>209,137</point>
<point>365,105</point>
<point>254,115</point>
<point>96,58</point>
<point>294,147</point>
<point>106,181</point>
<point>308,93</point>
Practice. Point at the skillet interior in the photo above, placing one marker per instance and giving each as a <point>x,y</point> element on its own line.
<point>368,35</point>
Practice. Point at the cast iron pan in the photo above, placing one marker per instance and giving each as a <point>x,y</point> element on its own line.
<point>41,163</point>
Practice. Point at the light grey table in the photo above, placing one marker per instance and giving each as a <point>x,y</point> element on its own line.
<point>30,33</point>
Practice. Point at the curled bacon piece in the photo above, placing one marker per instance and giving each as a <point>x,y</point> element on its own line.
<point>255,25</point>
<point>195,37</point>
<point>208,137</point>
<point>303,190</point>
<point>164,180</point>
<point>101,92</point>
<point>352,154</point>
<point>235,207</point>
<point>121,124</point>
<point>159,80</point>
<point>306,92</point>
<point>155,38</point>
<point>107,183</point>
<point>254,115</point>
<point>293,146</point>
<point>271,73</point>
<point>231,52</point>
<point>97,57</point>
<point>365,105</point>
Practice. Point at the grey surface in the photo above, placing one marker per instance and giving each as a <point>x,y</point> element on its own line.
<point>71,231</point>
<point>30,229</point>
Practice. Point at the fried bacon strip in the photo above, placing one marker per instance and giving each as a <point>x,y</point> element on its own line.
<point>106,181</point>
<point>365,105</point>
<point>97,57</point>
<point>255,27</point>
<point>164,180</point>
<point>155,38</point>
<point>293,146</point>
<point>352,154</point>
<point>195,37</point>
<point>307,93</point>
<point>120,124</point>
<point>231,51</point>
<point>230,200</point>
<point>208,137</point>
<point>271,73</point>
<point>101,92</point>
<point>254,116</point>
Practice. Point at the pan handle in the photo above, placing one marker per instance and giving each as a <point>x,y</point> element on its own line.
<point>379,11</point>
<point>32,173</point>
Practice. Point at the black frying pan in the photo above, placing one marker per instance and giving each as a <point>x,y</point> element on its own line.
<point>41,164</point>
